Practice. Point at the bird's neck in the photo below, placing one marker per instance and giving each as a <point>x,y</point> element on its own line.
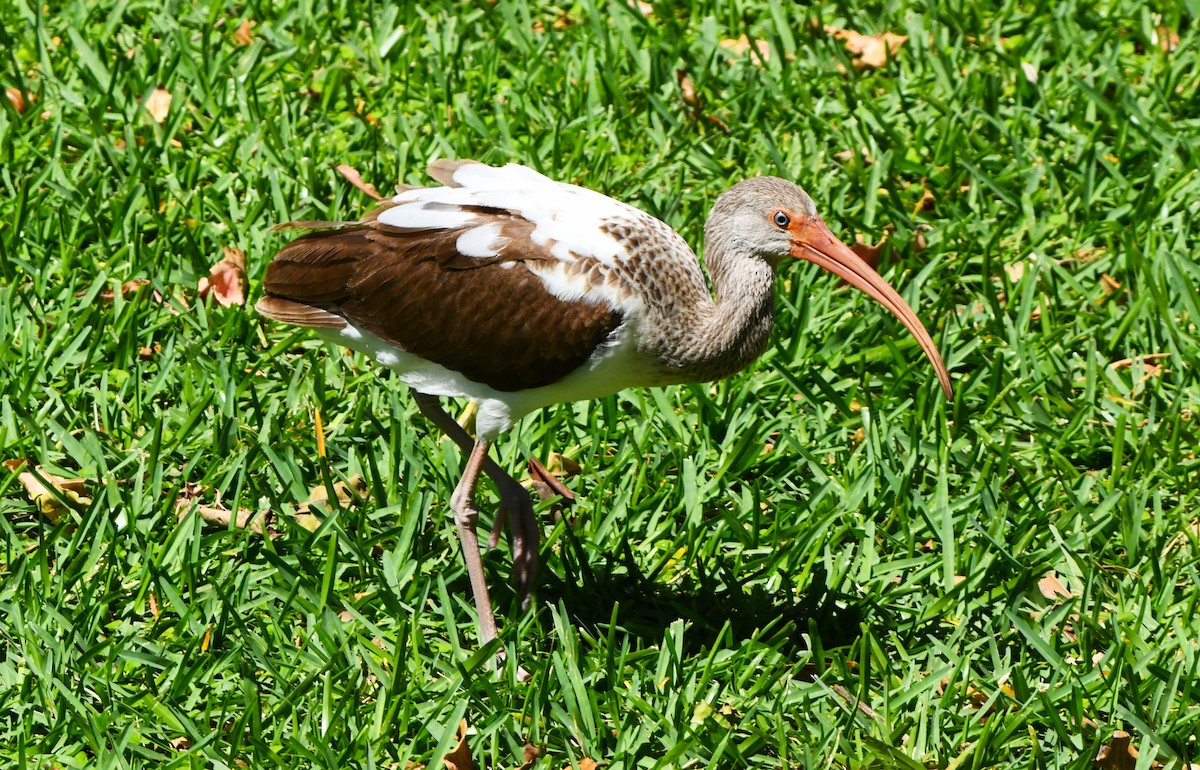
<point>725,335</point>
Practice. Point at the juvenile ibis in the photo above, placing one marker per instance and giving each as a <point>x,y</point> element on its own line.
<point>516,292</point>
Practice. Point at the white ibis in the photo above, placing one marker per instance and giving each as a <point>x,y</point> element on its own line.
<point>516,292</point>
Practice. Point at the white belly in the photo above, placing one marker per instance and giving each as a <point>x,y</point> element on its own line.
<point>613,367</point>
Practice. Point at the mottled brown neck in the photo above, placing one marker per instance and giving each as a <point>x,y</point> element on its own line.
<point>714,339</point>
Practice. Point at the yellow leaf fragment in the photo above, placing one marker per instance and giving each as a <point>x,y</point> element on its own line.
<point>460,758</point>
<point>742,44</point>
<point>159,104</point>
<point>353,177</point>
<point>245,33</point>
<point>869,51</point>
<point>1052,588</point>
<point>43,497</point>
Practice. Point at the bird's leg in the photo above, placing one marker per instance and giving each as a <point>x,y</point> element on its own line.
<point>465,516</point>
<point>515,505</point>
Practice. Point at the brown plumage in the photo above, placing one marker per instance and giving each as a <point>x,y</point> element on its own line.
<point>496,324</point>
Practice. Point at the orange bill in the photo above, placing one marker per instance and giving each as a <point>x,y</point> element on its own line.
<point>812,241</point>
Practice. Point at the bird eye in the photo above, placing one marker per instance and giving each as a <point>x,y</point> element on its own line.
<point>781,219</point>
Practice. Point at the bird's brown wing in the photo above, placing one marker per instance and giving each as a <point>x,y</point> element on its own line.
<point>490,318</point>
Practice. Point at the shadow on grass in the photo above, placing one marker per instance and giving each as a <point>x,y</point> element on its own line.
<point>645,606</point>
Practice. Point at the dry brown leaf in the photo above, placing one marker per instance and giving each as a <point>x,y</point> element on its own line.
<point>1147,366</point>
<point>1168,39</point>
<point>561,21</point>
<point>220,516</point>
<point>245,33</point>
<point>1015,271</point>
<point>848,155</point>
<point>688,90</point>
<point>146,352</point>
<point>869,51</point>
<point>741,45</point>
<point>1109,285</point>
<point>345,492</point>
<point>919,243</point>
<point>182,743</point>
<point>531,756</point>
<point>644,8</point>
<point>926,203</point>
<point>360,109</point>
<point>870,254</point>
<point>1118,754</point>
<point>352,176</point>
<point>588,764</point>
<point>159,104</point>
<point>226,281</point>
<point>460,758</point>
<point>43,497</point>
<point>128,290</point>
<point>1052,588</point>
<point>16,99</point>
<point>561,465</point>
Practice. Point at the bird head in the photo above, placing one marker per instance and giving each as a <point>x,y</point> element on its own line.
<point>774,219</point>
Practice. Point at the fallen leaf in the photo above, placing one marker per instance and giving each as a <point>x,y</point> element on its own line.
<point>344,492</point>
<point>1126,363</point>
<point>869,253</point>
<point>688,90</point>
<point>43,497</point>
<point>147,352</point>
<point>848,155</point>
<point>531,756</point>
<point>869,51</point>
<point>460,758</point>
<point>741,45</point>
<point>561,465</point>
<point>128,290</point>
<point>220,516</point>
<point>1109,285</point>
<point>1052,588</point>
<point>644,8</point>
<point>587,764</point>
<point>1015,271</point>
<point>352,176</point>
<point>182,743</point>
<point>159,104</point>
<point>919,243</point>
<point>1168,39</point>
<point>360,108</point>
<point>691,99</point>
<point>16,99</point>
<point>245,33</point>
<point>926,203</point>
<point>1118,754</point>
<point>562,21</point>
<point>226,280</point>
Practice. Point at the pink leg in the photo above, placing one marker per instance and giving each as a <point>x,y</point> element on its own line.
<point>465,516</point>
<point>516,508</point>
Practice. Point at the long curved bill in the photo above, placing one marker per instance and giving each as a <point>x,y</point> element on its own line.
<point>812,241</point>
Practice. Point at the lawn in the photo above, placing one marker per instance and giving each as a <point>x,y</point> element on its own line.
<point>819,562</point>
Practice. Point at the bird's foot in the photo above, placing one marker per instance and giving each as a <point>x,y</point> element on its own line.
<point>516,510</point>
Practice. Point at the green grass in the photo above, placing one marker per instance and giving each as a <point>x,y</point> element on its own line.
<point>711,604</point>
